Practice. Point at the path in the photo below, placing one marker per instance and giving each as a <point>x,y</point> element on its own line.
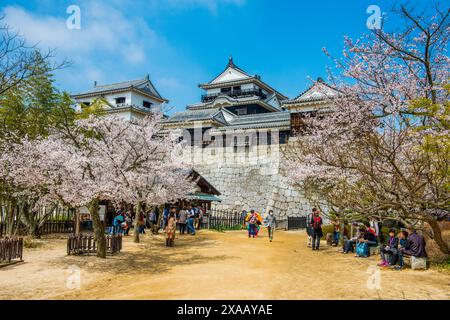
<point>215,265</point>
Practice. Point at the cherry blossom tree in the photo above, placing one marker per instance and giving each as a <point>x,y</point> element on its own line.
<point>102,158</point>
<point>382,150</point>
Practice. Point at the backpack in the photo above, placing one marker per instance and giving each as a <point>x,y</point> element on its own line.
<point>362,249</point>
<point>317,222</point>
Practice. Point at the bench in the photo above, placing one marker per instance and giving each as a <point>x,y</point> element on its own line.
<point>374,250</point>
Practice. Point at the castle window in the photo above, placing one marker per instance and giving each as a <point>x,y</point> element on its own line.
<point>120,100</point>
<point>146,104</point>
<point>241,111</point>
<point>235,148</point>
<point>225,90</point>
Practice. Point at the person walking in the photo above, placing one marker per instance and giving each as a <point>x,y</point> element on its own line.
<point>153,221</point>
<point>129,222</point>
<point>336,230</point>
<point>182,220</point>
<point>190,221</point>
<point>309,230</point>
<point>117,223</point>
<point>252,224</point>
<point>271,224</point>
<point>316,224</point>
<point>170,229</point>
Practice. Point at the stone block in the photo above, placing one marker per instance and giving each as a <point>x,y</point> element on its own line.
<point>418,263</point>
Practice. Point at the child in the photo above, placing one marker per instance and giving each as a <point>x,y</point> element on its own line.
<point>390,249</point>
<point>252,224</point>
<point>402,243</point>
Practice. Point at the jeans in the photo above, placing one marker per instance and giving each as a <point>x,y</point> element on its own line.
<point>182,228</point>
<point>316,239</point>
<point>190,225</point>
<point>400,258</point>
<point>349,245</point>
<point>252,229</point>
<point>392,255</point>
<point>336,236</point>
<point>270,230</point>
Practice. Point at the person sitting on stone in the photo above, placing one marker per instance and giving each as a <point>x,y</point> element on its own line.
<point>415,245</point>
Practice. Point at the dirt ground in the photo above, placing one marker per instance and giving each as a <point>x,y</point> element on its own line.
<point>214,265</point>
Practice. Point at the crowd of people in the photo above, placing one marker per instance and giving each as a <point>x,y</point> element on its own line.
<point>187,220</point>
<point>392,250</point>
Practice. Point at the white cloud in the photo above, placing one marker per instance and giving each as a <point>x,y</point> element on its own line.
<point>103,29</point>
<point>115,43</point>
<point>106,38</point>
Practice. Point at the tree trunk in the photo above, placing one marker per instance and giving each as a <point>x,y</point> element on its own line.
<point>98,228</point>
<point>136,222</point>
<point>437,236</point>
<point>77,222</point>
<point>29,219</point>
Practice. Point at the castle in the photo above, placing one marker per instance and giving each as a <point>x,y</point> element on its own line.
<point>234,136</point>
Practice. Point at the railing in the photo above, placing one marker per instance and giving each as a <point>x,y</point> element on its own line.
<point>234,94</point>
<point>296,223</point>
<point>11,249</point>
<point>86,244</point>
<point>47,228</point>
<point>222,219</point>
<point>57,227</point>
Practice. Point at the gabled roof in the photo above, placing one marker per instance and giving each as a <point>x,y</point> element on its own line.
<point>143,86</point>
<point>231,73</point>
<point>319,91</point>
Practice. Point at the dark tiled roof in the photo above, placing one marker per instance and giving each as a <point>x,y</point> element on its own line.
<point>143,85</point>
<point>197,115</point>
<point>271,119</point>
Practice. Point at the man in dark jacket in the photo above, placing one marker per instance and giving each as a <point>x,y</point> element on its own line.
<point>316,225</point>
<point>415,245</point>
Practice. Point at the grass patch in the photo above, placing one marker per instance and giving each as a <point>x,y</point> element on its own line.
<point>30,243</point>
<point>223,229</point>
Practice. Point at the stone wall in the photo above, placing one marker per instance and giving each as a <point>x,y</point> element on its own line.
<point>249,178</point>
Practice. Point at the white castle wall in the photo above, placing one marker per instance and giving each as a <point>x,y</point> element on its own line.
<point>249,179</point>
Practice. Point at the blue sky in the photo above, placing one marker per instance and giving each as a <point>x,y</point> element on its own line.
<point>182,43</point>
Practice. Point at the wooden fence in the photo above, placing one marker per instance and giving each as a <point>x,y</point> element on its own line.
<point>222,219</point>
<point>11,249</point>
<point>86,244</point>
<point>47,228</point>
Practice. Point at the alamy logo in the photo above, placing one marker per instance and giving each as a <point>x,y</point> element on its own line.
<point>374,279</point>
<point>73,280</point>
<point>374,20</point>
<point>73,22</point>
